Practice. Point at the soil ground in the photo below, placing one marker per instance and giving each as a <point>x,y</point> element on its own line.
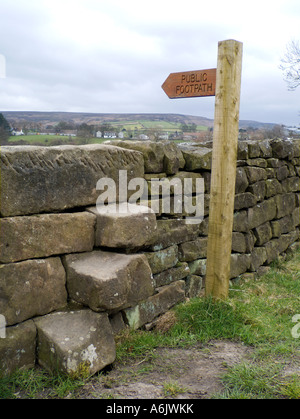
<point>192,373</point>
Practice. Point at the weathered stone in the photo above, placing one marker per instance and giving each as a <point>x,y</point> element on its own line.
<point>296,147</point>
<point>273,187</point>
<point>197,158</point>
<point>190,206</point>
<point>174,231</point>
<point>146,311</point>
<point>180,271</point>
<point>31,288</point>
<point>125,226</point>
<point>31,237</point>
<point>173,158</point>
<point>250,240</point>
<point>244,200</point>
<point>272,250</point>
<point>275,163</point>
<point>258,189</point>
<point>255,174</point>
<point>207,181</point>
<point>155,176</point>
<point>70,342</point>
<point>263,233</point>
<point>203,229</point>
<point>261,213</point>
<point>282,149</point>
<point>238,242</point>
<point>108,281</point>
<point>254,149</point>
<point>194,285</point>
<point>282,172</point>
<point>162,260</point>
<point>240,221</point>
<point>242,150</point>
<point>265,148</point>
<point>296,217</point>
<point>258,258</point>
<point>283,225</point>
<point>186,183</point>
<point>153,153</point>
<point>46,179</point>
<point>285,204</point>
<point>271,173</point>
<point>259,162</point>
<point>17,349</point>
<point>276,246</point>
<point>198,267</point>
<point>291,184</point>
<point>117,323</point>
<point>286,240</point>
<point>291,167</point>
<point>192,250</point>
<point>240,263</point>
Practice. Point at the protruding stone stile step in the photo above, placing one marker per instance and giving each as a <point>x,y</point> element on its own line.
<point>124,226</point>
<point>75,341</point>
<point>107,280</point>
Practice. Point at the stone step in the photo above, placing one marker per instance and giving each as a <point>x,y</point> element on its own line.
<point>124,226</point>
<point>108,281</point>
<point>75,342</point>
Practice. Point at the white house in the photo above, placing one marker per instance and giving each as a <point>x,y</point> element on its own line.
<point>99,134</point>
<point>143,137</point>
<point>16,133</point>
<point>109,135</point>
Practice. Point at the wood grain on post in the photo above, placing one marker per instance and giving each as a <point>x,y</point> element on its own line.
<point>224,157</point>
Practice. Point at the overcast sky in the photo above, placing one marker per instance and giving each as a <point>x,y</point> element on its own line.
<point>112,56</point>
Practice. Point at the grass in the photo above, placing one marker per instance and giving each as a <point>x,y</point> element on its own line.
<point>49,140</point>
<point>258,313</point>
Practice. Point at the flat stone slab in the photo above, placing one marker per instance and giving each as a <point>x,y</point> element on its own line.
<point>45,179</point>
<point>31,288</point>
<point>107,280</point>
<point>74,341</point>
<point>31,237</point>
<point>125,226</point>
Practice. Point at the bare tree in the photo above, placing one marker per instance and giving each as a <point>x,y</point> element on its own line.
<point>290,65</point>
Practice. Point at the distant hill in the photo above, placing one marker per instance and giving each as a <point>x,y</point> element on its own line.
<point>52,118</point>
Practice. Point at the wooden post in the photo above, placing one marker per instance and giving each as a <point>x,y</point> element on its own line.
<point>224,157</point>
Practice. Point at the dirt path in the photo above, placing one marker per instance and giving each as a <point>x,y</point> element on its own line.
<point>170,373</point>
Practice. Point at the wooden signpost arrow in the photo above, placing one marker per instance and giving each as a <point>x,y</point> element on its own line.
<point>191,84</point>
<point>225,84</point>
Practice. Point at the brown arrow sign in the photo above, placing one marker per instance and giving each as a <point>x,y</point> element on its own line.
<point>191,84</point>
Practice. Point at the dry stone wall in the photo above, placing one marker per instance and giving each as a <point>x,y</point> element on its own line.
<point>71,277</point>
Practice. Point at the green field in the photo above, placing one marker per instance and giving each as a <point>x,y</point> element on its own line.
<point>51,140</point>
<point>132,127</point>
<point>142,125</point>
